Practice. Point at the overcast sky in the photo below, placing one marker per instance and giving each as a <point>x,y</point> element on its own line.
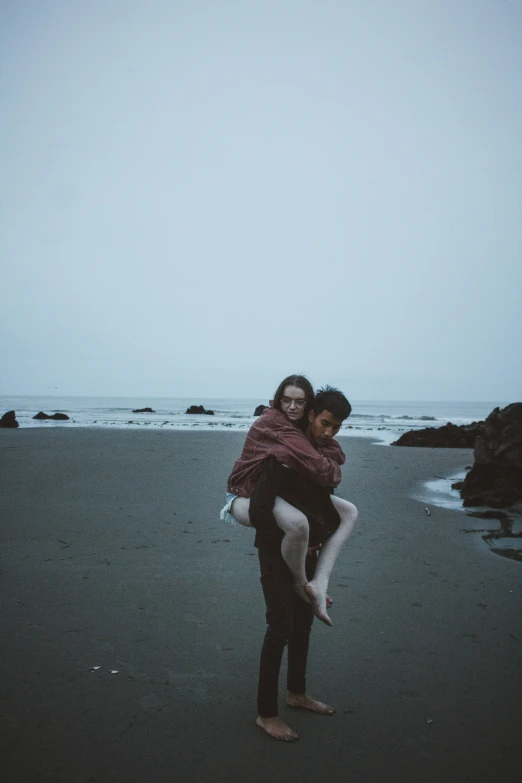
<point>201,197</point>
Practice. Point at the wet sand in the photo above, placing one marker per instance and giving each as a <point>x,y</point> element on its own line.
<point>113,556</point>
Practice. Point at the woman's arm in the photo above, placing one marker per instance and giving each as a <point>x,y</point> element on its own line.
<point>290,446</point>
<point>332,449</point>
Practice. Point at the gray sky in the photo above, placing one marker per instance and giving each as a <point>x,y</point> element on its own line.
<point>201,197</point>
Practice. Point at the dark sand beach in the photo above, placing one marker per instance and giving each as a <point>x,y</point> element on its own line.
<point>113,556</point>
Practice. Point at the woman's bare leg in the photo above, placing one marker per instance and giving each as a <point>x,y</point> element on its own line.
<point>294,545</point>
<point>328,554</point>
<point>239,511</point>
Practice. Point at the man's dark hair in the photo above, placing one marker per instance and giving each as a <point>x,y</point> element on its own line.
<point>302,383</point>
<point>330,399</point>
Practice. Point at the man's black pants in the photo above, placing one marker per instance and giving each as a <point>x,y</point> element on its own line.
<point>289,621</point>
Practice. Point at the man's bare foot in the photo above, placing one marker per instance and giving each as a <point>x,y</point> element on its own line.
<point>276,729</point>
<point>318,601</point>
<point>302,701</point>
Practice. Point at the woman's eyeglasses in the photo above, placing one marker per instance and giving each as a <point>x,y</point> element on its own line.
<point>297,403</point>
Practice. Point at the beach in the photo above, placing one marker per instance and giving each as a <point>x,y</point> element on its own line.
<point>133,621</point>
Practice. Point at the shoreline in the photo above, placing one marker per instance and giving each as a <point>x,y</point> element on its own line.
<point>382,435</point>
<point>113,556</point>
<point>384,420</point>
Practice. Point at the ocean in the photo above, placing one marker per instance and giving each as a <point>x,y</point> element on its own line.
<point>382,420</point>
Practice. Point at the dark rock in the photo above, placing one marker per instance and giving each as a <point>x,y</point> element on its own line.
<point>144,410</point>
<point>55,416</point>
<point>450,436</point>
<point>9,420</point>
<point>495,479</point>
<point>199,409</point>
<point>457,485</point>
<point>472,501</point>
<point>259,410</point>
<point>489,514</point>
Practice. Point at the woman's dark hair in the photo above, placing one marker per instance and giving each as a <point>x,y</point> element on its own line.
<point>302,383</point>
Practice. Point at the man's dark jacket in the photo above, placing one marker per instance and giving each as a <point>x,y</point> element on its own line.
<point>275,480</point>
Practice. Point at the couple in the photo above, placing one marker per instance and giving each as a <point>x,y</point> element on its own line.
<point>282,485</point>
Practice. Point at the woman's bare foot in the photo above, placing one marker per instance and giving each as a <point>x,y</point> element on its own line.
<point>302,593</point>
<point>302,701</point>
<point>276,729</point>
<point>300,589</point>
<point>318,601</point>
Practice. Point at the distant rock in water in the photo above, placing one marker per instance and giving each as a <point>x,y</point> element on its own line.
<point>144,410</point>
<point>199,409</point>
<point>259,410</point>
<point>9,420</point>
<point>55,416</point>
<point>417,418</point>
<point>450,436</point>
<point>496,476</point>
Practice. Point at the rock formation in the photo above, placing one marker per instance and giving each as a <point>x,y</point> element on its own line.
<point>450,436</point>
<point>144,410</point>
<point>496,476</point>
<point>259,410</point>
<point>55,416</point>
<point>199,409</point>
<point>9,420</point>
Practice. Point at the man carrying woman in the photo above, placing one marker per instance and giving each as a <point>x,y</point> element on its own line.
<point>282,485</point>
